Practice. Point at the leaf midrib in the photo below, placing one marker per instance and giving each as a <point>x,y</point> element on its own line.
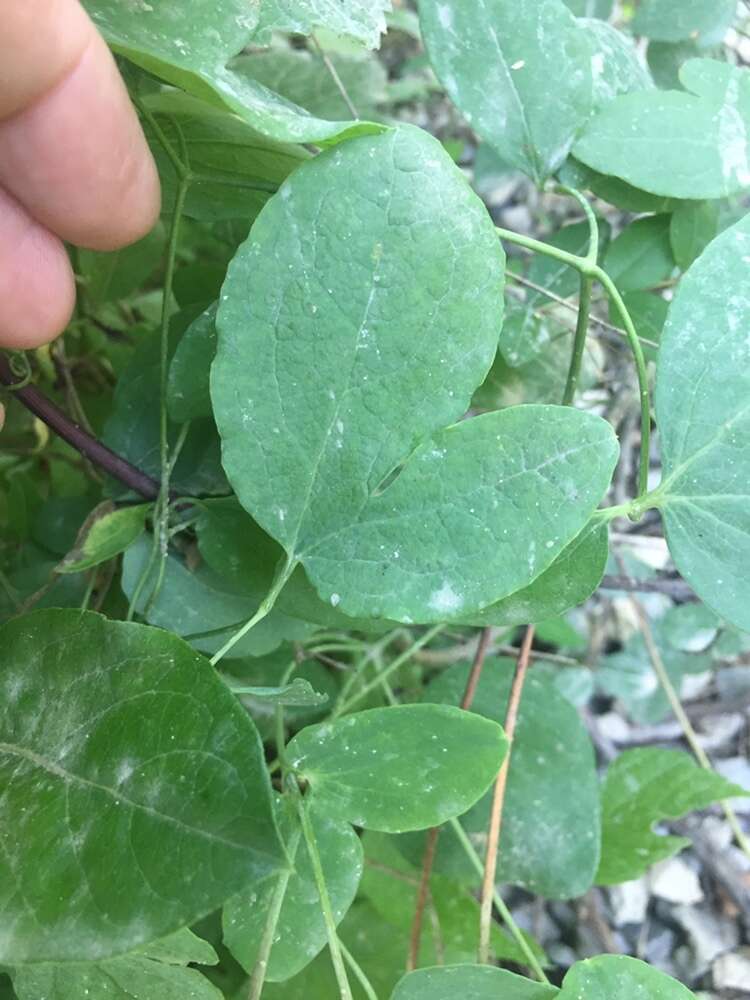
<point>69,778</point>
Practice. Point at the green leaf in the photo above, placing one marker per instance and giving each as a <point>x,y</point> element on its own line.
<point>647,786</point>
<point>188,395</point>
<point>616,64</point>
<point>391,884</point>
<point>618,977</point>
<point>591,8</point>
<point>234,169</point>
<point>155,972</point>
<point>236,549</point>
<point>682,20</point>
<point>470,982</point>
<point>300,931</point>
<point>298,693</point>
<point>371,940</point>
<point>189,42</point>
<point>105,534</point>
<point>116,979</point>
<point>666,58</point>
<point>181,948</point>
<point>690,627</point>
<point>407,767</point>
<point>202,605</point>
<point>694,224</point>
<point>629,676</point>
<point>550,834</point>
<point>568,582</point>
<point>109,277</point>
<point>495,59</point>
<point>703,415</point>
<point>641,256</point>
<point>361,20</point>
<point>409,298</point>
<point>303,77</point>
<point>132,429</point>
<point>677,144</point>
<point>124,742</point>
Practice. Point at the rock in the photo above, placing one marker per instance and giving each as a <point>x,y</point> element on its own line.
<point>629,902</point>
<point>732,971</point>
<point>675,881</point>
<point>710,935</point>
<point>717,832</point>
<point>613,727</point>
<point>737,770</point>
<point>721,731</point>
<point>733,682</point>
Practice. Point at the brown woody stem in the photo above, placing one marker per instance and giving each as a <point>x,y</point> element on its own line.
<point>50,414</point>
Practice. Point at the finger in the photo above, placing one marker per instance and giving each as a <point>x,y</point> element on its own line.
<point>37,290</point>
<point>72,150</point>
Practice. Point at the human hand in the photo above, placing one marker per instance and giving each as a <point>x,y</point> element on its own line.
<point>74,164</point>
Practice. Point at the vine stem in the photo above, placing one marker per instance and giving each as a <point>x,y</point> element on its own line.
<point>579,343</point>
<point>681,715</point>
<point>359,972</point>
<point>531,960</point>
<point>589,268</point>
<point>334,946</point>
<point>428,858</point>
<point>84,443</point>
<point>260,969</point>
<point>404,657</point>
<point>264,608</point>
<point>640,366</point>
<point>338,82</point>
<point>498,799</point>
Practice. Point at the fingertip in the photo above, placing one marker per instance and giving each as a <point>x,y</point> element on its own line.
<point>37,287</point>
<point>78,160</point>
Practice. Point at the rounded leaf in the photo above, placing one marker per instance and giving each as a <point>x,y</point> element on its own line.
<point>407,767</point>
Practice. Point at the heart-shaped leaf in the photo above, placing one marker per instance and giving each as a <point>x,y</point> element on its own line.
<point>618,977</point>
<point>406,767</point>
<point>354,324</point>
<point>570,580</point>
<point>300,931</point>
<point>189,43</point>
<point>644,787</point>
<point>155,972</point>
<point>495,59</point>
<point>551,826</point>
<point>696,143</point>
<point>470,982</point>
<point>126,765</point>
<point>703,415</point>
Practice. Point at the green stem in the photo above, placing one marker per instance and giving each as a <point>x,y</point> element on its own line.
<point>264,608</point>
<point>334,946</point>
<point>260,969</point>
<point>579,343</point>
<point>531,959</point>
<point>591,269</point>
<point>640,366</point>
<point>359,972</point>
<point>579,263</point>
<point>593,254</point>
<point>391,668</point>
